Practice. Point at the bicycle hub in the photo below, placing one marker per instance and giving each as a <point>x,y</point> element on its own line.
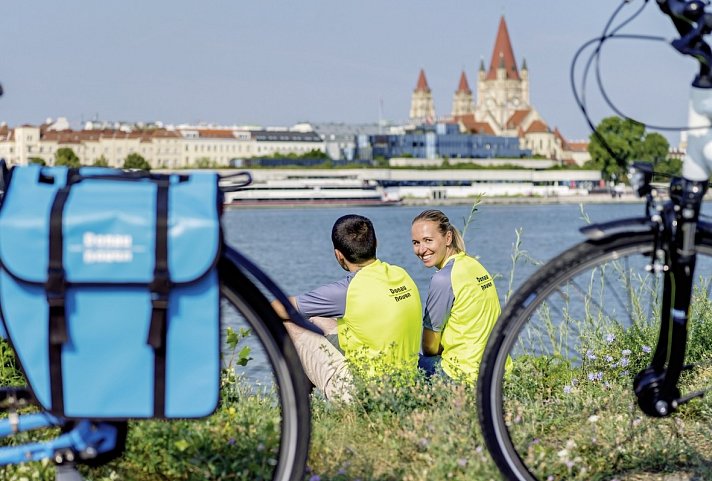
<point>648,385</point>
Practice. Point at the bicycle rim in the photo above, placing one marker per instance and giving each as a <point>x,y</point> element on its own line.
<point>270,386</point>
<point>577,333</point>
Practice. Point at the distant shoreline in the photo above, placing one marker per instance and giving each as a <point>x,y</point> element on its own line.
<point>506,200</point>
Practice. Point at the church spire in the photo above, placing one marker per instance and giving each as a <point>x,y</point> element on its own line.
<point>503,55</point>
<point>422,109</point>
<point>422,85</point>
<point>463,86</point>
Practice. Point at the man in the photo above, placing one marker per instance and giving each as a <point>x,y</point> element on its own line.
<point>376,306</point>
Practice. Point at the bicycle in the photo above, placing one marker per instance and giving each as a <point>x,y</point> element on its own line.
<point>269,370</point>
<point>610,340</point>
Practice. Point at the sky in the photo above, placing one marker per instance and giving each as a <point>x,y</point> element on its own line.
<point>279,62</point>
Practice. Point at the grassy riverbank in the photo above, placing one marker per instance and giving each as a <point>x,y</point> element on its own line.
<point>404,428</point>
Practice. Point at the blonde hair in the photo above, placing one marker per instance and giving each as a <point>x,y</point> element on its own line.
<point>444,226</point>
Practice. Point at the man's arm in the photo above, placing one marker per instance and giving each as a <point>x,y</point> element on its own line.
<point>431,343</point>
<point>279,308</point>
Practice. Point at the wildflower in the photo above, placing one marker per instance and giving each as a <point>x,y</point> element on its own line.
<point>609,358</point>
<point>646,349</point>
<point>593,419</point>
<point>624,362</point>
<point>574,382</point>
<point>624,373</point>
<point>610,338</point>
<point>590,355</point>
<point>462,462</point>
<point>231,441</point>
<point>567,389</point>
<point>595,376</point>
<point>315,477</point>
<point>626,352</point>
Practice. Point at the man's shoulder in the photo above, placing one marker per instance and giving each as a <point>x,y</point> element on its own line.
<point>395,270</point>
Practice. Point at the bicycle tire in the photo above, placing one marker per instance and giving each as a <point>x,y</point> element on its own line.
<point>287,375</point>
<point>577,332</point>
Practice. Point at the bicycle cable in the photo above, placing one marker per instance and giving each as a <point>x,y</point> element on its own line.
<point>610,33</point>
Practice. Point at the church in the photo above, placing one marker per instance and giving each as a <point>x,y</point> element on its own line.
<point>502,106</point>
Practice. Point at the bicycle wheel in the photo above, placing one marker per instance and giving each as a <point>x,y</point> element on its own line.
<point>577,333</point>
<point>269,391</point>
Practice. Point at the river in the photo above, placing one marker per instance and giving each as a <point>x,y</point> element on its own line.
<point>293,245</point>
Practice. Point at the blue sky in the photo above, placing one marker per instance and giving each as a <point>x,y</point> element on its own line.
<point>277,62</point>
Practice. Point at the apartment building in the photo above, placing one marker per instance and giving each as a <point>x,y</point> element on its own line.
<point>162,147</point>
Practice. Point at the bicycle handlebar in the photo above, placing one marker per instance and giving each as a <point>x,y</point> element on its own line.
<point>692,23</point>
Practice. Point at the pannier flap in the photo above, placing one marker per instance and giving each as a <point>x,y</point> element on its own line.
<point>108,226</point>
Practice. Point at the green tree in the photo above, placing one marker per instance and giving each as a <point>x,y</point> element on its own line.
<point>629,141</point>
<point>204,163</point>
<point>136,161</point>
<point>37,160</point>
<point>101,162</point>
<point>65,156</point>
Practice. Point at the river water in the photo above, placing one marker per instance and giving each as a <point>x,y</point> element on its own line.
<point>293,245</point>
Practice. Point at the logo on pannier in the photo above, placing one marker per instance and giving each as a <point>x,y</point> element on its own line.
<point>107,248</point>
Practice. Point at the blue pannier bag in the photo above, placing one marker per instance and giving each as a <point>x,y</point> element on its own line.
<point>109,290</point>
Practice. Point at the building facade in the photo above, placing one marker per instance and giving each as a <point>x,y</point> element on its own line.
<point>439,141</point>
<point>170,148</point>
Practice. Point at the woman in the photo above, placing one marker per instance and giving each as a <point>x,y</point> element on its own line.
<point>462,304</point>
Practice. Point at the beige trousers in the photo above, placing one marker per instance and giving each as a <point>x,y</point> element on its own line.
<point>323,364</point>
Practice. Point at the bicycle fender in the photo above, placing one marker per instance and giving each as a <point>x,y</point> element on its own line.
<point>600,231</point>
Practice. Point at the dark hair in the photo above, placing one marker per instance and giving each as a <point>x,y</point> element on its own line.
<point>444,226</point>
<point>355,237</point>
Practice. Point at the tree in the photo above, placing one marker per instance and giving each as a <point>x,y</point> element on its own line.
<point>37,160</point>
<point>629,142</point>
<point>66,157</point>
<point>136,161</point>
<point>204,163</point>
<point>101,162</point>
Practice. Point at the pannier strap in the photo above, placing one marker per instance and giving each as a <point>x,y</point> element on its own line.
<point>55,290</point>
<point>160,288</point>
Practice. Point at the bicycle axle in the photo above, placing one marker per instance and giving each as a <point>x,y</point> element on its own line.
<point>648,385</point>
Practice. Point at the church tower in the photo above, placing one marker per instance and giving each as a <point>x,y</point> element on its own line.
<point>462,100</point>
<point>422,109</point>
<point>501,90</point>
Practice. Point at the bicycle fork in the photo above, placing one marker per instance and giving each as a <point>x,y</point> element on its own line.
<point>656,386</point>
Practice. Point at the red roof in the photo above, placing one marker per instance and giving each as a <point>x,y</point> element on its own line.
<point>216,134</point>
<point>473,126</point>
<point>422,85</point>
<point>502,54</point>
<point>464,86</point>
<point>578,146</point>
<point>517,118</point>
<point>537,127</point>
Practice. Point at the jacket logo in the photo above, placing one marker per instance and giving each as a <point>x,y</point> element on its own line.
<point>400,293</point>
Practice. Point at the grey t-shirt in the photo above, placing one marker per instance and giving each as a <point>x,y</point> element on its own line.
<point>440,299</point>
<point>328,300</point>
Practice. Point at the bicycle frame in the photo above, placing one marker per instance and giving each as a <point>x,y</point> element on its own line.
<point>674,223</point>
